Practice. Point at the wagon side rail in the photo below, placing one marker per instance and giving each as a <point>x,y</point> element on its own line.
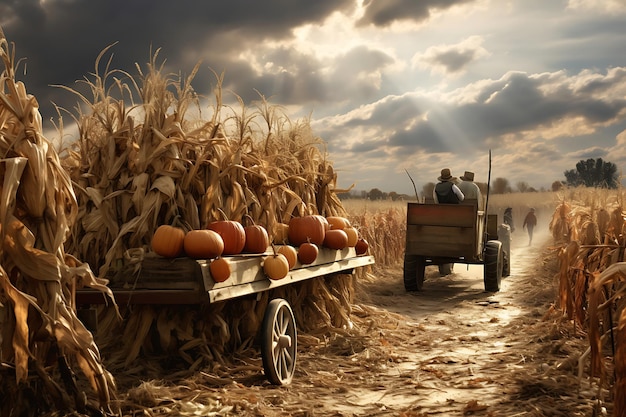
<point>189,281</point>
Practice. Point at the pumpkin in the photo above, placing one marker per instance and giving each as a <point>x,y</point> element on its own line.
<point>353,236</point>
<point>336,239</point>
<point>276,266</point>
<point>307,253</point>
<point>337,222</point>
<point>257,239</point>
<point>203,244</point>
<point>220,269</point>
<point>311,228</point>
<point>361,246</point>
<point>168,241</point>
<point>232,233</point>
<point>280,233</point>
<point>290,253</point>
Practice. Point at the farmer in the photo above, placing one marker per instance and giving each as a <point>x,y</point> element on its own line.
<point>446,191</point>
<point>530,221</point>
<point>469,188</point>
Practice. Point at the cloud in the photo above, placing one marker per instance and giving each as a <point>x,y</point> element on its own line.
<point>603,6</point>
<point>451,59</point>
<point>60,39</point>
<point>304,79</point>
<point>527,119</point>
<point>386,12</point>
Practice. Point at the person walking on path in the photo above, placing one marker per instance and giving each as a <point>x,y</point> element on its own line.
<point>530,221</point>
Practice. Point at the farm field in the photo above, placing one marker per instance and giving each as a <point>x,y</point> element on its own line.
<point>85,215</point>
<point>452,349</point>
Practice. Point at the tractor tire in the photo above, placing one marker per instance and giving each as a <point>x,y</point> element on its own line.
<point>494,261</point>
<point>414,270</point>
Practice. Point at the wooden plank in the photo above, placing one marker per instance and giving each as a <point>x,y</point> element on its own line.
<point>221,293</point>
<point>458,215</point>
<point>441,241</point>
<point>143,296</point>
<point>163,273</point>
<point>246,269</point>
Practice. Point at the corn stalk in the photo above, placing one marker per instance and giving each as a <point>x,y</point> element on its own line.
<point>39,325</point>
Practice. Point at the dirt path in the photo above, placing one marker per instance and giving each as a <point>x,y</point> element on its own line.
<point>450,350</point>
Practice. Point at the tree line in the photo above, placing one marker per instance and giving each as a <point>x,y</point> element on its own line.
<point>588,173</point>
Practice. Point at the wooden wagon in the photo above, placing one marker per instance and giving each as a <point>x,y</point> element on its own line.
<point>445,234</point>
<point>185,281</point>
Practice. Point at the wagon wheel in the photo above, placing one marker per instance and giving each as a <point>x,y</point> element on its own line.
<point>279,342</point>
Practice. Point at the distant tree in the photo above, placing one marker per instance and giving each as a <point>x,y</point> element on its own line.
<point>375,194</point>
<point>393,196</point>
<point>557,185</point>
<point>593,173</point>
<point>522,186</point>
<point>501,186</point>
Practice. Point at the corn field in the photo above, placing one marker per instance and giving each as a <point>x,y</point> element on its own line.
<point>588,226</point>
<point>83,213</point>
<point>149,151</point>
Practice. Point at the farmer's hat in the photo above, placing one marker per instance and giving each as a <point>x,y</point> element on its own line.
<point>468,176</point>
<point>446,175</point>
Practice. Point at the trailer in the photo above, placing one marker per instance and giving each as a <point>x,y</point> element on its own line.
<point>187,281</point>
<point>446,234</point>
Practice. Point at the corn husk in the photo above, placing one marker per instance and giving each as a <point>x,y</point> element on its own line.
<point>37,276</point>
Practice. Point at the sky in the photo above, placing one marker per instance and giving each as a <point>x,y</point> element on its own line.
<point>397,89</point>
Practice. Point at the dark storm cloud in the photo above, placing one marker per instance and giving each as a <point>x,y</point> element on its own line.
<point>61,38</point>
<point>386,12</point>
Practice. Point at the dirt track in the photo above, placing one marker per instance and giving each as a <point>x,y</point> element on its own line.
<point>452,349</point>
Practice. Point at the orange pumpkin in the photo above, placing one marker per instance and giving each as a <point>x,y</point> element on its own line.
<point>361,247</point>
<point>336,239</point>
<point>232,233</point>
<point>311,228</point>
<point>257,239</point>
<point>353,236</point>
<point>220,269</point>
<point>276,266</point>
<point>337,222</point>
<point>168,241</point>
<point>307,253</point>
<point>290,253</point>
<point>203,244</point>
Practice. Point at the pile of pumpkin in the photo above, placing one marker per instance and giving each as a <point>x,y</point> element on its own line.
<point>298,241</point>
